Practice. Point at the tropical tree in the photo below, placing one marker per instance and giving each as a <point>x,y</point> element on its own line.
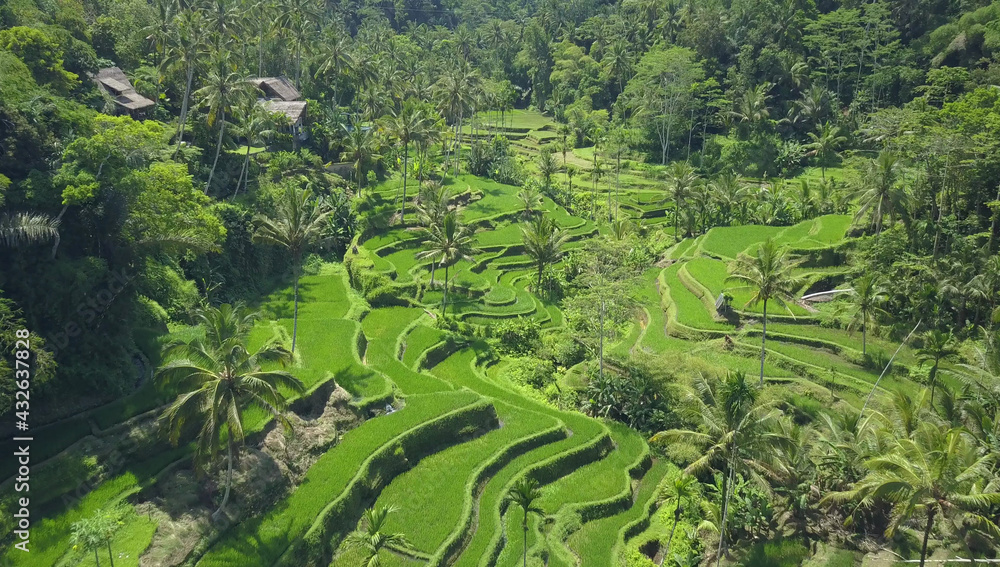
<point>447,243</point>
<point>937,474</point>
<point>299,222</point>
<point>19,229</point>
<point>221,379</point>
<point>681,177</point>
<point>256,128</point>
<point>187,45</point>
<point>865,302</point>
<point>826,141</point>
<point>96,531</point>
<point>751,108</point>
<point>683,488</point>
<point>523,494</point>
<point>361,147</point>
<point>738,432</point>
<point>543,241</point>
<point>223,90</point>
<point>402,124</point>
<point>300,18</point>
<point>547,167</point>
<point>880,193</point>
<point>768,274</point>
<point>531,198</point>
<point>938,347</point>
<point>373,538</point>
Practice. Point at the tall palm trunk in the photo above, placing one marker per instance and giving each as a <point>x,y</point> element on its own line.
<point>727,482</point>
<point>458,146</point>
<point>96,559</point>
<point>927,535</point>
<point>525,525</point>
<point>245,171</point>
<point>864,333</point>
<point>402,204</point>
<point>295,311</point>
<point>111,558</point>
<point>218,149</point>
<point>677,518</point>
<point>184,108</point>
<point>600,346</point>
<point>763,344</point>
<point>229,478</point>
<point>444,301</point>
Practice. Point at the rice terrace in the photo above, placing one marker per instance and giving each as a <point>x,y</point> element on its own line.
<point>506,283</point>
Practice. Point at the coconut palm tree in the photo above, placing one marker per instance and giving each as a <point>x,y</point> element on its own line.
<point>547,167</point>
<point>372,538</point>
<point>938,346</point>
<point>681,490</point>
<point>826,141</point>
<point>523,494</point>
<point>256,128</point>
<point>298,222</point>
<point>531,199</point>
<point>18,229</point>
<point>447,243</point>
<point>865,302</point>
<point>543,242</point>
<point>224,90</point>
<point>880,193</point>
<point>300,18</point>
<point>402,124</point>
<point>186,48</point>
<point>936,473</point>
<point>221,379</point>
<point>361,146</point>
<point>751,107</point>
<point>681,177</point>
<point>432,205</point>
<point>336,59</point>
<point>738,432</point>
<point>769,276</point>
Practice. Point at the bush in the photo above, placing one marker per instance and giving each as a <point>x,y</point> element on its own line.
<point>563,348</point>
<point>531,371</point>
<point>496,160</point>
<point>518,336</point>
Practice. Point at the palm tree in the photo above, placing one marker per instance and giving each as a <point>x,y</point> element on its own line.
<point>880,193</point>
<point>336,59</point>
<point>531,199</point>
<point>866,299</point>
<point>729,195</point>
<point>937,473</point>
<point>825,143</point>
<point>299,17</point>
<point>222,379</point>
<point>523,494</point>
<point>454,98</point>
<point>447,243</point>
<point>681,490</point>
<point>360,145</point>
<point>543,242</point>
<point>224,90</point>
<point>188,44</point>
<point>751,107</point>
<point>432,205</point>
<point>738,429</point>
<point>299,222</point>
<point>769,276</point>
<point>402,124</point>
<point>372,538</point>
<point>547,167</point>
<point>681,177</point>
<point>938,346</point>
<point>256,128</point>
<point>18,229</point>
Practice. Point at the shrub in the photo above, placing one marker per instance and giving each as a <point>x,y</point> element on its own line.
<point>563,348</point>
<point>495,160</point>
<point>518,336</point>
<point>531,371</point>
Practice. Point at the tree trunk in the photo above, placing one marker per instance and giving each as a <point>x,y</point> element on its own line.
<point>184,109</point>
<point>245,172</point>
<point>444,302</point>
<point>110,557</point>
<point>525,563</point>
<point>458,147</point>
<point>96,559</point>
<point>601,343</point>
<point>295,315</point>
<point>218,149</point>
<point>763,344</point>
<point>229,478</point>
<point>864,333</point>
<point>927,535</point>
<point>538,287</point>
<point>402,204</point>
<point>933,379</point>
<point>677,518</point>
<point>726,488</point>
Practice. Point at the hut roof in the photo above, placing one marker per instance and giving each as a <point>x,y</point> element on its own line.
<point>293,109</point>
<point>115,83</point>
<point>276,88</point>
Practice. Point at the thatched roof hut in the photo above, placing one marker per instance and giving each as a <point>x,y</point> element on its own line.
<point>113,81</point>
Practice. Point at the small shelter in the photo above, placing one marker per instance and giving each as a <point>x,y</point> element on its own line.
<point>278,95</point>
<point>113,81</point>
